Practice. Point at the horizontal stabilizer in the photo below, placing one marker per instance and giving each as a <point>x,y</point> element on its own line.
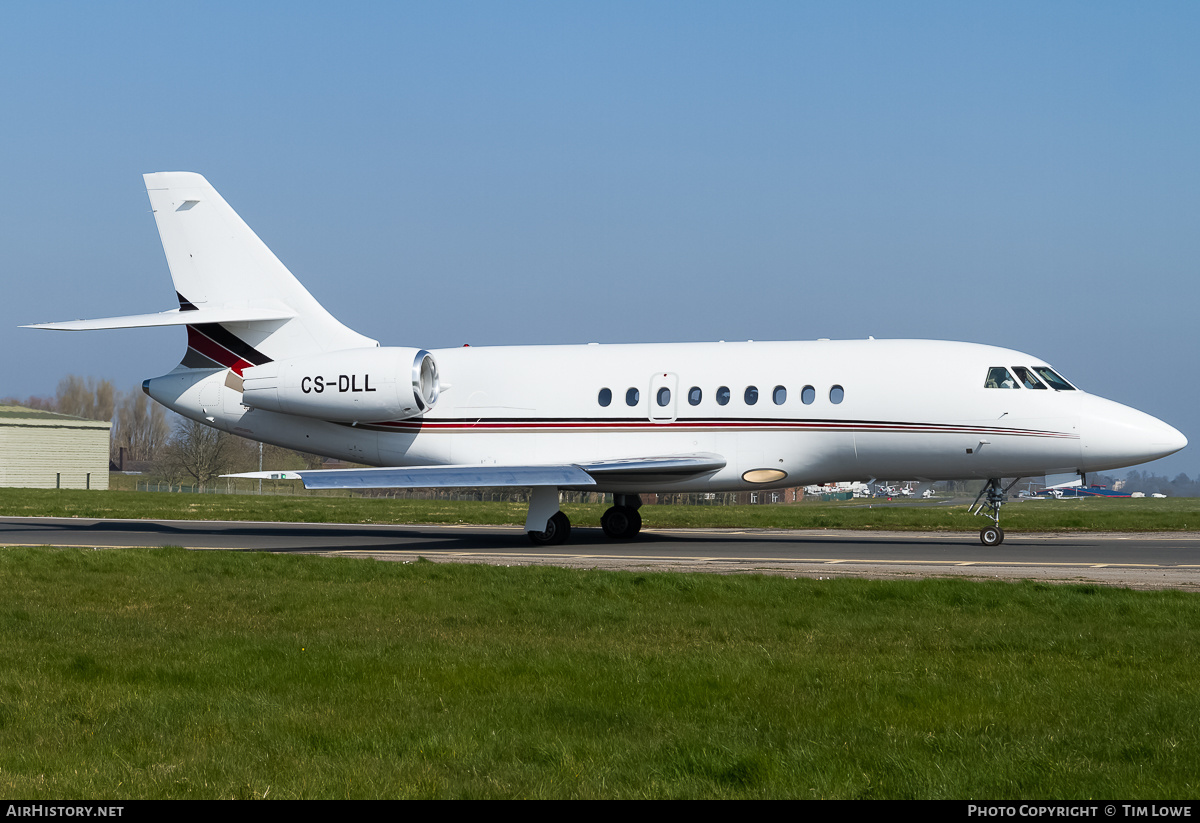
<point>174,317</point>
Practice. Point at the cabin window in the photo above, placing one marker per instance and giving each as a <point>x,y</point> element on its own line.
<point>751,395</point>
<point>807,395</point>
<point>1056,382</point>
<point>695,395</point>
<point>631,397</point>
<point>836,395</point>
<point>664,396</point>
<point>1027,379</point>
<point>999,378</point>
<point>605,397</point>
<point>779,395</point>
<point>723,396</point>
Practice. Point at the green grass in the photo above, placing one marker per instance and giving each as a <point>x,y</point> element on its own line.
<point>1146,514</point>
<point>166,673</point>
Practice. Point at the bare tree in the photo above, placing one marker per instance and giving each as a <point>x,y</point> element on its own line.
<point>85,397</point>
<point>197,451</point>
<point>139,426</point>
<point>33,402</point>
<point>245,453</point>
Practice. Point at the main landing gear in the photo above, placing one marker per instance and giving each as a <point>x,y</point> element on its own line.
<point>558,529</point>
<point>543,511</point>
<point>622,521</point>
<point>992,497</point>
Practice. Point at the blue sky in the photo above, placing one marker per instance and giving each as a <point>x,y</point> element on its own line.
<point>1020,174</point>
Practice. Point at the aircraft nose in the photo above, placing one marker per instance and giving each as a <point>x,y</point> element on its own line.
<point>1115,436</point>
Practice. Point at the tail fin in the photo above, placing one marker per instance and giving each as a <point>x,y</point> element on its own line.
<point>221,268</point>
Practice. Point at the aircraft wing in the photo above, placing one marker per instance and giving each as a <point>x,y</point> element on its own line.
<point>673,467</point>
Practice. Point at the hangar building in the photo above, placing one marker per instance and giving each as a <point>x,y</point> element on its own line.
<point>44,450</point>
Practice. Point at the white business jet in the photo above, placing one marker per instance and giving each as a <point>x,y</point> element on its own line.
<point>265,361</point>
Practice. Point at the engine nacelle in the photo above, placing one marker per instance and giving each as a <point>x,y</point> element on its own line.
<point>350,386</point>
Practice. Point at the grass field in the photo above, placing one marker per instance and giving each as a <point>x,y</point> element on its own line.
<point>166,673</point>
<point>1145,514</point>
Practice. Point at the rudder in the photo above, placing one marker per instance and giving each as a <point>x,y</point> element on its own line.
<point>218,262</point>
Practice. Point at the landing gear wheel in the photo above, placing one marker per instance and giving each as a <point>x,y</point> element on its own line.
<point>991,535</point>
<point>621,522</point>
<point>558,529</point>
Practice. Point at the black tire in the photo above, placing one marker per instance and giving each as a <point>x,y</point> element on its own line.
<point>621,522</point>
<point>558,531</point>
<point>991,535</point>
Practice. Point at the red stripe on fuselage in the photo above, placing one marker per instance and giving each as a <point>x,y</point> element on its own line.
<point>855,426</point>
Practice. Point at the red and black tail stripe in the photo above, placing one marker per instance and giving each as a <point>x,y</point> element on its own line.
<point>211,345</point>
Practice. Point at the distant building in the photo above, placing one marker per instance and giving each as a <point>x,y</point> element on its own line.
<point>44,450</point>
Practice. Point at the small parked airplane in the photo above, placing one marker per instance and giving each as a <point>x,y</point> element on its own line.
<point>266,361</point>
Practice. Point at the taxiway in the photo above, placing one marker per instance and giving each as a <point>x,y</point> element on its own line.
<point>1158,560</point>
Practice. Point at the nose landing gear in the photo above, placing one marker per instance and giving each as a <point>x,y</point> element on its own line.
<point>992,497</point>
<point>991,535</point>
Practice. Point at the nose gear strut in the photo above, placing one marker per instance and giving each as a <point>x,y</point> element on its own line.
<point>992,535</point>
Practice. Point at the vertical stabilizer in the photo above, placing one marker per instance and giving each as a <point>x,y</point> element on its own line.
<point>217,262</point>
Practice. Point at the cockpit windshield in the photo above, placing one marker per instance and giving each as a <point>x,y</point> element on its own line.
<point>1027,379</point>
<point>999,377</point>
<point>1056,382</point>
